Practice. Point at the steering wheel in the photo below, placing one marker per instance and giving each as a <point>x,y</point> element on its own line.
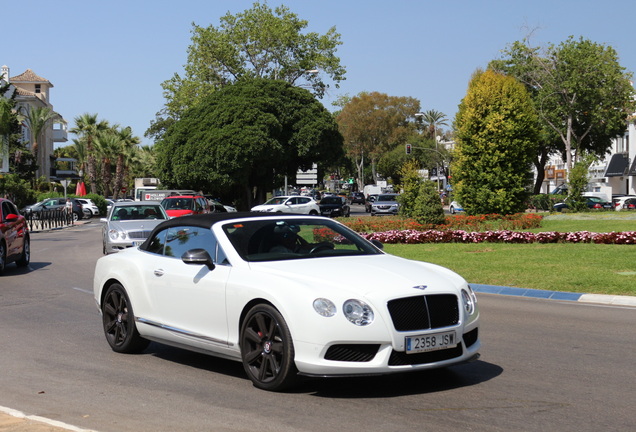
<point>321,246</point>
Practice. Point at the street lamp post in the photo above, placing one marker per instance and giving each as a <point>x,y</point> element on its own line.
<point>421,114</point>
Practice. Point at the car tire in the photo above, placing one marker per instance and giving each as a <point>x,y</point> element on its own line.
<point>313,213</point>
<point>76,216</point>
<point>452,210</point>
<point>118,321</point>
<point>3,256</point>
<point>25,258</point>
<point>267,349</point>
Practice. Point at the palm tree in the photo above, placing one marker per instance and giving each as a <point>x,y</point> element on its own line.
<point>38,119</point>
<point>88,128</point>
<point>108,147</point>
<point>126,155</point>
<point>7,117</point>
<point>432,120</point>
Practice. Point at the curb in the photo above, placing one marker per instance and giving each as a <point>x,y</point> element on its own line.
<point>614,300</point>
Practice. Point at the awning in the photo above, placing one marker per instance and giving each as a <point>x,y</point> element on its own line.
<point>617,166</point>
<point>632,169</point>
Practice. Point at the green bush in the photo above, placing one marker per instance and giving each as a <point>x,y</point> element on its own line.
<point>428,208</point>
<point>17,190</point>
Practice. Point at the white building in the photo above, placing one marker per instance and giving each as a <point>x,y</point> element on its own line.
<point>613,175</point>
<point>34,91</point>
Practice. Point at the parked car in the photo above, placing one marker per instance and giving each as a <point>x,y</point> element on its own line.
<point>225,289</point>
<point>455,207</point>
<point>625,202</point>
<point>592,203</point>
<point>217,206</point>
<point>385,204</point>
<point>88,204</point>
<point>183,205</point>
<point>289,204</point>
<point>15,243</point>
<point>334,206</point>
<point>49,204</point>
<point>129,223</point>
<point>369,200</point>
<point>357,198</point>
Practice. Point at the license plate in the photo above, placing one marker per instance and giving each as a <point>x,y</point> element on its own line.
<point>430,342</point>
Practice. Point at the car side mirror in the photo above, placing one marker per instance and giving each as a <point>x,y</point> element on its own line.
<point>377,244</point>
<point>11,217</point>
<point>198,257</point>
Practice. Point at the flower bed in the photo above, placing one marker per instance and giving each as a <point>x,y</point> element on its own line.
<point>489,222</point>
<point>504,236</point>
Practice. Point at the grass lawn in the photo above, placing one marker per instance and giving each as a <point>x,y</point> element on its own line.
<point>581,268</point>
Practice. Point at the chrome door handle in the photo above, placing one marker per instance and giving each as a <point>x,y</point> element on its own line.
<point>159,272</point>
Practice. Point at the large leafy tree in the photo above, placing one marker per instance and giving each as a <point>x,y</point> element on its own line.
<point>373,124</point>
<point>581,92</point>
<point>242,140</point>
<point>497,129</point>
<point>256,43</point>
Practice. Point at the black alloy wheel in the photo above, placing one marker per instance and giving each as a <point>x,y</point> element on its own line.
<point>267,349</point>
<point>25,258</point>
<point>118,320</point>
<point>3,256</point>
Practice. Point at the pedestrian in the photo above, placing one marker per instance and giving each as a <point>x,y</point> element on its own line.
<point>69,210</point>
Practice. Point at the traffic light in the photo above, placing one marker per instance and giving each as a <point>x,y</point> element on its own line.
<point>408,149</point>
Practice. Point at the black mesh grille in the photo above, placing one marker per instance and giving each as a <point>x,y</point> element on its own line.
<point>352,352</point>
<point>471,337</point>
<point>424,312</point>
<point>400,358</point>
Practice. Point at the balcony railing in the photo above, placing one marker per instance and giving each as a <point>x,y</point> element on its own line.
<point>60,133</point>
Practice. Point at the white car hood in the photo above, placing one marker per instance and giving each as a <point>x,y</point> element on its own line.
<point>371,275</point>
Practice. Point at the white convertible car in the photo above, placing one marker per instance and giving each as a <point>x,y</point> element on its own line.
<point>283,295</point>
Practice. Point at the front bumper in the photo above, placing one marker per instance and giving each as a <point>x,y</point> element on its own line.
<point>350,359</point>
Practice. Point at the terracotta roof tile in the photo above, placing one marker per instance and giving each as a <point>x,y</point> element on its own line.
<point>30,77</point>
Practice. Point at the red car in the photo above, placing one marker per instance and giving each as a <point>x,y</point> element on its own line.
<point>182,205</point>
<point>15,245</point>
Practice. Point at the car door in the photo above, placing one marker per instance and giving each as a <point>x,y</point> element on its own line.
<point>10,230</point>
<point>301,205</point>
<point>189,298</point>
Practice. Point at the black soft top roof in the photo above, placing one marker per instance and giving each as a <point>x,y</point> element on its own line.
<point>208,219</point>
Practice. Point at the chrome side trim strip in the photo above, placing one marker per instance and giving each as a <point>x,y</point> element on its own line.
<point>182,332</point>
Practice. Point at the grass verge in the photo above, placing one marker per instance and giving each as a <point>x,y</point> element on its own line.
<point>581,268</point>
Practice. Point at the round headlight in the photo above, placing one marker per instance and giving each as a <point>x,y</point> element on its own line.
<point>358,312</point>
<point>115,234</point>
<point>469,304</point>
<point>324,307</point>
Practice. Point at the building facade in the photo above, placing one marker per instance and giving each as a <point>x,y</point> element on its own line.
<point>33,91</point>
<point>613,175</point>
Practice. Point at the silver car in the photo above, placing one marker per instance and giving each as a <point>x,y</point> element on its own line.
<point>385,204</point>
<point>129,224</point>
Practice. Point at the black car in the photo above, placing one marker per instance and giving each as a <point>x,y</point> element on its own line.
<point>592,203</point>
<point>34,210</point>
<point>334,206</point>
<point>357,198</point>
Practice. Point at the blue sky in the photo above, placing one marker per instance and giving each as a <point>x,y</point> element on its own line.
<point>110,57</point>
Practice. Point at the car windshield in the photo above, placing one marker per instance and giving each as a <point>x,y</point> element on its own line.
<point>274,239</point>
<point>137,212</point>
<point>178,203</point>
<point>385,198</point>
<point>331,200</point>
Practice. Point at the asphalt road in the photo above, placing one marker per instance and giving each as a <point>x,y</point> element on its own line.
<point>545,365</point>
